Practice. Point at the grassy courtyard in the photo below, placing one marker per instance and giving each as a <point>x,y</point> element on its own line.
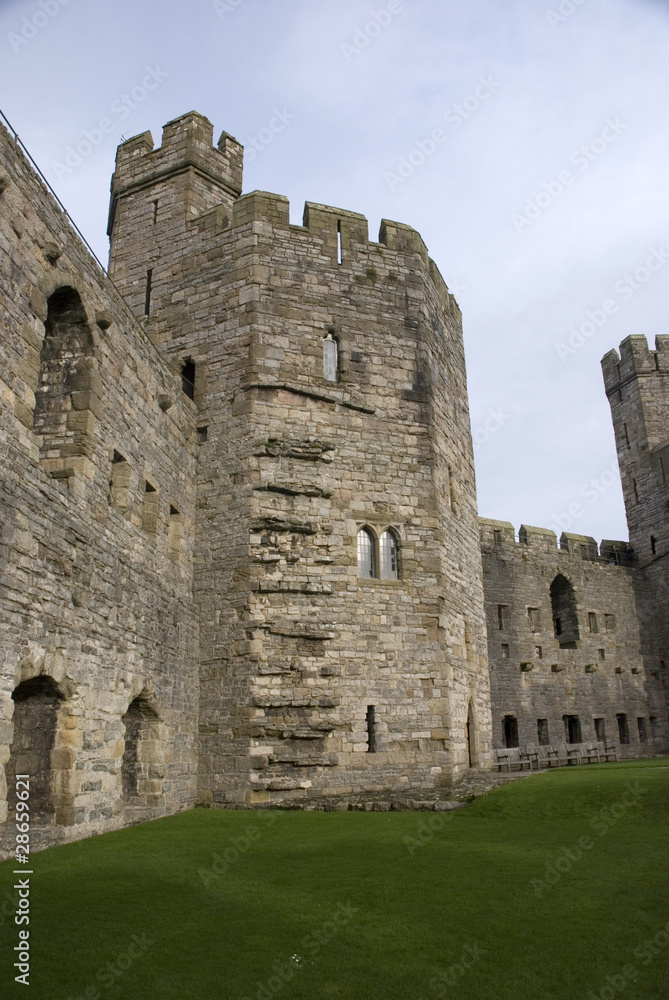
<point>550,888</point>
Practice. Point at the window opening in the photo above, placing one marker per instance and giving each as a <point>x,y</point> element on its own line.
<point>366,560</point>
<point>147,297</point>
<point>510,730</point>
<point>188,378</point>
<point>388,547</point>
<point>371,729</point>
<point>542,732</point>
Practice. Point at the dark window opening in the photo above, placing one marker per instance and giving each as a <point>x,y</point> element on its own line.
<point>202,434</point>
<point>371,729</point>
<point>502,610</point>
<point>510,731</point>
<point>602,654</point>
<point>623,731</point>
<point>471,736</point>
<point>636,491</point>
<point>572,728</point>
<point>641,725</point>
<point>600,730</point>
<point>340,256</point>
<point>148,488</point>
<point>155,212</point>
<point>498,539</point>
<point>188,378</point>
<point>147,297</point>
<point>565,616</point>
<point>118,457</point>
<point>627,437</point>
<point>542,732</point>
<point>653,544</point>
<point>35,721</point>
<point>592,622</point>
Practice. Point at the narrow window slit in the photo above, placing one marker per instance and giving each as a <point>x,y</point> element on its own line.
<point>147,298</point>
<point>188,378</point>
<point>371,729</point>
<point>339,247</point>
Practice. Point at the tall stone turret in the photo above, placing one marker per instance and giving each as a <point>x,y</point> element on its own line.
<point>337,574</point>
<point>637,386</point>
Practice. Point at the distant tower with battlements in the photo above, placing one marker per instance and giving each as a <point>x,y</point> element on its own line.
<point>637,386</point>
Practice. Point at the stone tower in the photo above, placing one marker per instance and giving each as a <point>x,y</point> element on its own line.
<point>637,386</point>
<point>337,573</point>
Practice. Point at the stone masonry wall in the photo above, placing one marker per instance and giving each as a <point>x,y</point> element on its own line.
<point>96,573</point>
<point>637,386</point>
<point>596,672</point>
<point>295,648</point>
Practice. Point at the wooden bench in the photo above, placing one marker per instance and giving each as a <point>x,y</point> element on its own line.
<point>509,758</point>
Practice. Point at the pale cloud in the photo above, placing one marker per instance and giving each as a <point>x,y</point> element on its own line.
<point>355,117</point>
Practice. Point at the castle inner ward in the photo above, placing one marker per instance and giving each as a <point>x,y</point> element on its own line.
<point>242,563</point>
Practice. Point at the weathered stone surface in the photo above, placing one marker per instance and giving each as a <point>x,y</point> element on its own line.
<point>184,477</point>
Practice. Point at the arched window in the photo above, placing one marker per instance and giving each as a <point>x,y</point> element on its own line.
<point>68,381</point>
<point>35,720</point>
<point>140,765</point>
<point>388,549</point>
<point>330,358</point>
<point>366,554</point>
<point>565,616</point>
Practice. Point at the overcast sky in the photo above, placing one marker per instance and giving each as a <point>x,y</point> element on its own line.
<point>453,117</point>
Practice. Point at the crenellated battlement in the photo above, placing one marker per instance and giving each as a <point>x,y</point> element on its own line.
<point>187,143</point>
<point>191,182</point>
<point>499,537</point>
<point>635,359</point>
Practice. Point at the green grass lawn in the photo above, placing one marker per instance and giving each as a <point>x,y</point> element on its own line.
<point>550,888</point>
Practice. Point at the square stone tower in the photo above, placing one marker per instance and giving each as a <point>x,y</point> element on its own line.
<point>637,386</point>
<point>337,562</point>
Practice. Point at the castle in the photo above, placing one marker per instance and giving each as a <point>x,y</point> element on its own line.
<point>241,558</point>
